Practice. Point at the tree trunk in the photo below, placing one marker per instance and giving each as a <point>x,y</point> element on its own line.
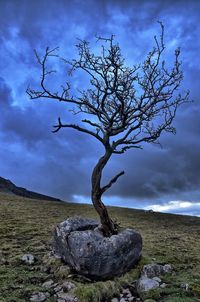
<point>106,222</point>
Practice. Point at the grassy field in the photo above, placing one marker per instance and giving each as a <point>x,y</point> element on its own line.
<point>26,227</point>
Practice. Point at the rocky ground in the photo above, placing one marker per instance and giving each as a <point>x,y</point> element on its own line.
<point>150,278</point>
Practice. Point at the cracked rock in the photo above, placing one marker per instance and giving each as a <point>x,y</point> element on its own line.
<point>91,254</point>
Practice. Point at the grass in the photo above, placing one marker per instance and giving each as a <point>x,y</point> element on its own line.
<point>26,227</point>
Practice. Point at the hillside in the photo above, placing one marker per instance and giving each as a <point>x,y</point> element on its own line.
<point>26,226</point>
<point>7,186</point>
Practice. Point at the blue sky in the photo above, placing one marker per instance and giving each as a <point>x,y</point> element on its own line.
<point>166,179</point>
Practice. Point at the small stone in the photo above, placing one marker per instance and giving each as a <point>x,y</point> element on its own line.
<point>130,299</point>
<point>126,291</point>
<point>122,300</point>
<point>28,258</point>
<point>167,268</point>
<point>66,297</point>
<point>152,270</point>
<point>155,270</point>
<point>48,284</point>
<point>163,285</point>
<point>67,286</point>
<point>39,297</point>
<point>145,284</point>
<point>157,279</point>
<point>114,300</point>
<point>58,288</point>
<point>185,286</point>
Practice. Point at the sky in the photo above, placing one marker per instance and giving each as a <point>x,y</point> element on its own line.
<point>60,164</point>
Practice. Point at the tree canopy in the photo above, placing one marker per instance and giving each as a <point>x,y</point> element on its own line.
<point>124,106</point>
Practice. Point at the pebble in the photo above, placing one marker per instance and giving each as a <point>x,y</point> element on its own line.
<point>167,268</point>
<point>39,297</point>
<point>58,288</point>
<point>157,279</point>
<point>67,286</point>
<point>28,258</point>
<point>114,300</point>
<point>185,286</point>
<point>126,291</point>
<point>145,284</point>
<point>48,284</point>
<point>163,285</point>
<point>66,297</point>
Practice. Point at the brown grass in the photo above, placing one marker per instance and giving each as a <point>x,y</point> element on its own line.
<point>26,226</point>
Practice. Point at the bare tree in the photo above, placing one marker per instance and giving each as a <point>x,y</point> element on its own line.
<point>132,105</point>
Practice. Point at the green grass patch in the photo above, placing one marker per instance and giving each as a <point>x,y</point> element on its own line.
<point>26,226</point>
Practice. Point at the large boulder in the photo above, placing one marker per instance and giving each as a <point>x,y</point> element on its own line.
<point>81,245</point>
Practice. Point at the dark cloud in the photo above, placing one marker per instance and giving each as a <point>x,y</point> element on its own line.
<point>61,164</point>
<point>32,150</point>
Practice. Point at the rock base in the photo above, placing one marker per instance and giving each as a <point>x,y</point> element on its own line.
<point>83,247</point>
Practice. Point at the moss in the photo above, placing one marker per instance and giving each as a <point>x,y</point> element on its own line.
<point>87,293</point>
<point>195,288</point>
<point>98,291</point>
<point>51,263</point>
<point>154,294</point>
<point>62,272</point>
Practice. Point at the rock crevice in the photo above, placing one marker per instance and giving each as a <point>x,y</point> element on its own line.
<point>83,247</point>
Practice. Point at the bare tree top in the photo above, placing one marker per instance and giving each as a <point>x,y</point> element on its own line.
<point>127,105</point>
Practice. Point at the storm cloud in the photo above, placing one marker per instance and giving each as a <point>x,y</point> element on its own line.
<point>61,164</point>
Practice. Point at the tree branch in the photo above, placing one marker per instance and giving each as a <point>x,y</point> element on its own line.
<point>118,109</point>
<point>113,180</point>
<point>76,127</point>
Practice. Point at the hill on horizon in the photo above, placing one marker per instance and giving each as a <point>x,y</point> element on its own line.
<point>6,186</point>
